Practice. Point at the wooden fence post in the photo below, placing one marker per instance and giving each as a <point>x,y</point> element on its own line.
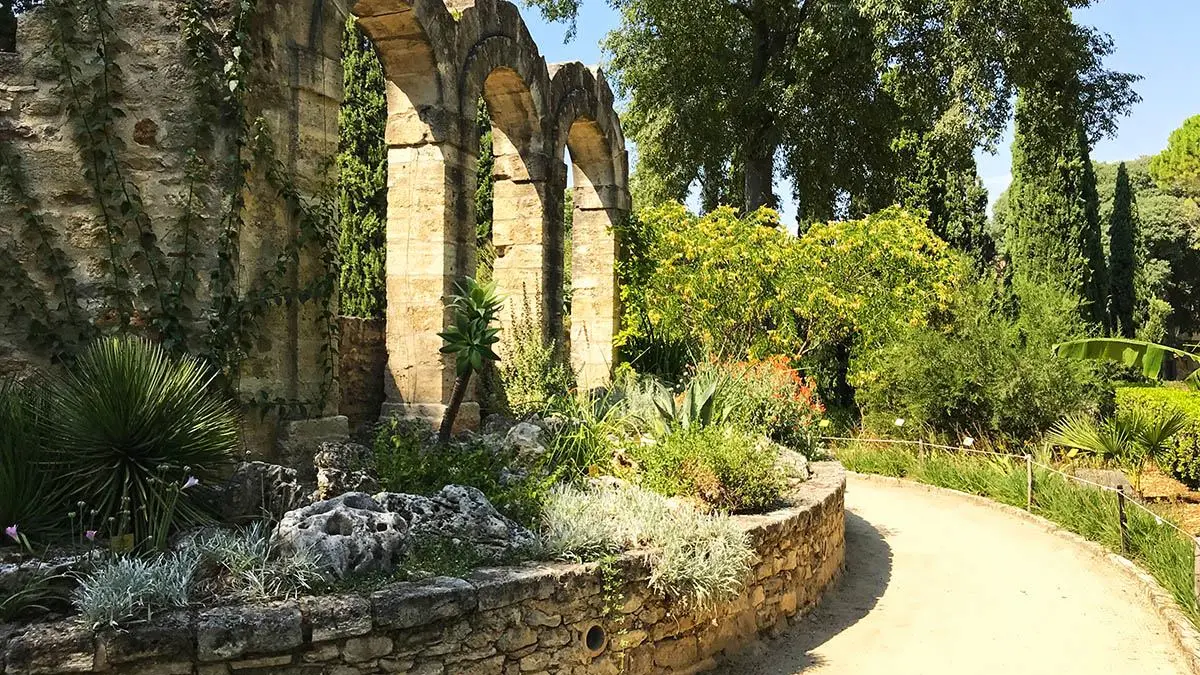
<point>1124,523</point>
<point>1196,570</point>
<point>1029,482</point>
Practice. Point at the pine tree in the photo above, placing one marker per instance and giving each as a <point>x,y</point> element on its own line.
<point>1054,210</point>
<point>362,177</point>
<point>1122,264</point>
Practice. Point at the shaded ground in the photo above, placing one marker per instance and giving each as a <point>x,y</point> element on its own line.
<point>938,585</point>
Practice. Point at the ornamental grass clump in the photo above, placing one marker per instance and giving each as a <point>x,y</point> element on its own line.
<point>246,564</point>
<point>130,428</point>
<point>695,558</point>
<point>129,587</point>
<point>29,498</point>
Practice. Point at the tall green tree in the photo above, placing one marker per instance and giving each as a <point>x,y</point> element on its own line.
<point>1178,166</point>
<point>1053,208</point>
<point>1122,260</point>
<point>730,95</point>
<point>362,177</point>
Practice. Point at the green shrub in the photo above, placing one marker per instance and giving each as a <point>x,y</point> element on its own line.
<point>533,372</point>
<point>408,460</point>
<point>590,427</point>
<point>129,425</point>
<point>128,587</point>
<point>991,373</point>
<point>29,496</point>
<point>724,467</point>
<point>695,558</point>
<point>1181,458</point>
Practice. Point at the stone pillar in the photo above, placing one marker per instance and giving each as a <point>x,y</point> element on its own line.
<point>427,253</point>
<point>595,303</point>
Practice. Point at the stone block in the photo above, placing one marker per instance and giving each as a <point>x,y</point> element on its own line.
<point>228,633</point>
<point>409,604</point>
<point>169,636</point>
<point>334,617</point>
<point>299,441</point>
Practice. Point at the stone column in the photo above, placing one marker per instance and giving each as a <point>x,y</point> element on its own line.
<point>595,303</point>
<point>427,253</point>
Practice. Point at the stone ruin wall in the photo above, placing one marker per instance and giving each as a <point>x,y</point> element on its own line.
<point>505,621</point>
<point>438,61</point>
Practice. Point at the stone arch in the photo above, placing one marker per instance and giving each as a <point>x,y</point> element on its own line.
<point>501,63</point>
<point>585,124</point>
<point>439,57</point>
<point>429,244</point>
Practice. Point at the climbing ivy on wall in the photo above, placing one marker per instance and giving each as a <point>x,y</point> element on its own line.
<point>149,285</point>
<point>362,176</point>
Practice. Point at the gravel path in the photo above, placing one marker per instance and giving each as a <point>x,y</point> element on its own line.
<point>937,585</point>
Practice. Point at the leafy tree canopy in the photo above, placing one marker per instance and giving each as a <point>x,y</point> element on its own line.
<point>1178,167</point>
<point>731,94</point>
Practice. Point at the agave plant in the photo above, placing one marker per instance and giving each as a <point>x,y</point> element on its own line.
<point>469,339</point>
<point>131,428</point>
<point>1129,440</point>
<point>697,406</point>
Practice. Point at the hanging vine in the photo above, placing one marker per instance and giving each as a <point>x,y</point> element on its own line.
<point>141,289</point>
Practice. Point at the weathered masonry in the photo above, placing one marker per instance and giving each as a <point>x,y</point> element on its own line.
<point>186,168</point>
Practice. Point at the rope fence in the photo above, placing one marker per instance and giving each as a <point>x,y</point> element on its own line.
<point>1123,499</point>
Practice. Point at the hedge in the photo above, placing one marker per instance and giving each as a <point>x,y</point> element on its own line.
<point>1182,460</point>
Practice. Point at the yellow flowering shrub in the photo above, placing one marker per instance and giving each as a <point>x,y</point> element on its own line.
<point>727,287</point>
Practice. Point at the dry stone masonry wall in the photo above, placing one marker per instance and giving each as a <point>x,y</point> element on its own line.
<point>547,618</point>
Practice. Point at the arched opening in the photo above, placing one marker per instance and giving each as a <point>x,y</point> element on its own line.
<point>519,198</point>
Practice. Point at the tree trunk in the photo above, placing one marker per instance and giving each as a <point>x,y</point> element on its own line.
<point>760,175</point>
<point>456,399</point>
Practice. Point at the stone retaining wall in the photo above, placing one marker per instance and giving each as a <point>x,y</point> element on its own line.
<point>542,618</point>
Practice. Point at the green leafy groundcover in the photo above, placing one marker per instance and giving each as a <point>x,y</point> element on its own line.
<point>1088,512</point>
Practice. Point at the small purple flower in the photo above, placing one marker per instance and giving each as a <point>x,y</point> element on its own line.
<point>191,482</point>
<point>11,531</point>
<point>91,535</point>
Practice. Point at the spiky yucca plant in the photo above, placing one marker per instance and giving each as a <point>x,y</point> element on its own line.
<point>129,427</point>
<point>469,339</point>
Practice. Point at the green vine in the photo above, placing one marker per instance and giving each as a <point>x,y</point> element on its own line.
<point>141,289</point>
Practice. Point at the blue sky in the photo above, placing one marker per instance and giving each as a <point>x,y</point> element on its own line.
<point>1154,38</point>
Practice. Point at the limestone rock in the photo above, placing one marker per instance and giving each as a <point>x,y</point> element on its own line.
<point>344,467</point>
<point>525,436</point>
<point>459,513</point>
<point>350,534</point>
<point>256,489</point>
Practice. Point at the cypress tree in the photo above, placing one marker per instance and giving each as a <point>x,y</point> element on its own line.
<point>1122,232</point>
<point>945,182</point>
<point>1054,209</point>
<point>485,188</point>
<point>362,177</point>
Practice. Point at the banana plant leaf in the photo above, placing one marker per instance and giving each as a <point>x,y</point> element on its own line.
<point>1148,356</point>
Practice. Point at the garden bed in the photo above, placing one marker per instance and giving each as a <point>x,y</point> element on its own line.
<point>551,618</point>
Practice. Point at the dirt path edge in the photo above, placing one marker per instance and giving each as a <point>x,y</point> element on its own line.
<point>1182,630</point>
